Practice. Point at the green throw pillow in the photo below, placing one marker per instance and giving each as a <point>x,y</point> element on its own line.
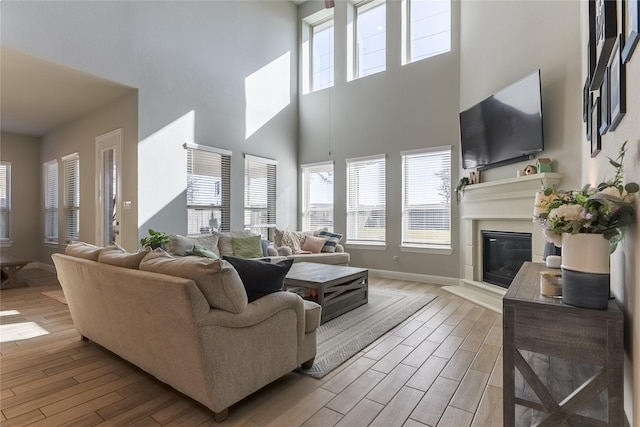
<point>203,252</point>
<point>247,247</point>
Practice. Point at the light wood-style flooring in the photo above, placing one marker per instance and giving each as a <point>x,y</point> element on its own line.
<point>441,367</point>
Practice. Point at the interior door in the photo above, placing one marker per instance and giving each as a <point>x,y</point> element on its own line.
<point>108,148</point>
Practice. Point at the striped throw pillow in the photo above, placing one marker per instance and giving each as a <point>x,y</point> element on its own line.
<point>332,240</point>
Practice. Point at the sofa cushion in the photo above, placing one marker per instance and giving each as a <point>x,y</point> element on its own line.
<point>332,240</point>
<point>218,281</point>
<point>180,245</point>
<point>247,247</point>
<point>203,252</point>
<point>313,244</point>
<point>260,278</point>
<point>83,250</point>
<point>115,255</point>
<point>225,240</point>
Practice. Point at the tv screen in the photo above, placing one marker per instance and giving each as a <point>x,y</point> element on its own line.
<point>504,128</point>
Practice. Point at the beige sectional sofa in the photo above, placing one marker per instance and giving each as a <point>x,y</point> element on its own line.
<point>187,321</point>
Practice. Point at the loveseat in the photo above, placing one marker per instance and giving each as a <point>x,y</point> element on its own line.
<point>187,321</point>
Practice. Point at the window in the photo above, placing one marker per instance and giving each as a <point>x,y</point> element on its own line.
<point>371,37</point>
<point>426,198</point>
<point>208,189</point>
<point>260,195</point>
<point>322,58</point>
<point>51,202</point>
<point>5,201</point>
<point>317,196</point>
<point>71,209</point>
<point>317,51</point>
<point>366,200</point>
<point>427,29</point>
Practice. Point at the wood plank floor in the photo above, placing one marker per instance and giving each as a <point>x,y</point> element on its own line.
<point>441,367</point>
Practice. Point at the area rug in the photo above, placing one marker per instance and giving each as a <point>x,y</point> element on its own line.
<point>341,338</point>
<point>56,295</point>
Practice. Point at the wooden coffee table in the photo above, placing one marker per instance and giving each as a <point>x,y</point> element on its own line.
<point>10,267</point>
<point>339,288</point>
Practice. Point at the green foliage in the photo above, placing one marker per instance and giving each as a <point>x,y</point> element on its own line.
<point>156,239</point>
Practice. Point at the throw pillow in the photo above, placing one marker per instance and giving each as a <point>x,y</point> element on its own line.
<point>180,245</point>
<point>294,240</point>
<point>332,240</point>
<point>115,255</point>
<point>313,244</point>
<point>203,252</point>
<point>247,247</point>
<point>265,247</point>
<point>218,281</point>
<point>83,250</point>
<point>260,278</point>
<point>225,240</point>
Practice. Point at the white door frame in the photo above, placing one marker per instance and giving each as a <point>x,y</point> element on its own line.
<point>108,141</point>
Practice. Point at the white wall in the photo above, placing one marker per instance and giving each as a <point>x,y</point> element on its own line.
<point>406,107</point>
<point>189,61</point>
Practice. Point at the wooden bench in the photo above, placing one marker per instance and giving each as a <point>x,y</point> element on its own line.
<point>10,266</point>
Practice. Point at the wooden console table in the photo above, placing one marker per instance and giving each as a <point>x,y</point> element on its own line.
<point>539,328</point>
<point>10,267</point>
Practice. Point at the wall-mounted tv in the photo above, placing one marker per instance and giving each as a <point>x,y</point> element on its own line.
<point>505,127</point>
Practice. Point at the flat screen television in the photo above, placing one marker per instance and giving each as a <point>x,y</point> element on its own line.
<point>505,127</point>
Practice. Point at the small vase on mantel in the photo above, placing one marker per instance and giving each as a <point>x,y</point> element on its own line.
<point>585,270</point>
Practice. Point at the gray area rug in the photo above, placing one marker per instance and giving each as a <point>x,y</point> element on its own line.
<point>341,338</point>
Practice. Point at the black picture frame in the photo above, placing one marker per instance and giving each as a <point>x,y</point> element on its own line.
<point>596,140</point>
<point>605,111</point>
<point>585,100</point>
<point>617,86</point>
<point>630,27</point>
<point>589,126</point>
<point>602,33</point>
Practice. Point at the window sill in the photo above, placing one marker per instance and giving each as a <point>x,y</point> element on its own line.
<point>6,243</point>
<point>366,246</point>
<point>435,250</point>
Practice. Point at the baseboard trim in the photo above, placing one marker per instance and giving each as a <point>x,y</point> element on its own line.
<point>414,277</point>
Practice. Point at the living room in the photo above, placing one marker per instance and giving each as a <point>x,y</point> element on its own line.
<point>181,70</point>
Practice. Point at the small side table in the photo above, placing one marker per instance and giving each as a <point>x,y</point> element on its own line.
<point>10,267</point>
<point>566,334</point>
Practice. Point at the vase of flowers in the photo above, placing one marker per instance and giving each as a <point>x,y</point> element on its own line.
<point>588,224</point>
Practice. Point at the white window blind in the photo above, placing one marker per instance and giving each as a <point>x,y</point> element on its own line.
<point>51,202</point>
<point>322,54</point>
<point>426,197</point>
<point>427,28</point>
<point>208,189</point>
<point>71,209</point>
<point>317,196</point>
<point>5,201</point>
<point>371,37</point>
<point>260,195</point>
<point>366,200</point>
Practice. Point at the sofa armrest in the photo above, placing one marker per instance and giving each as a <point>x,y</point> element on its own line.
<point>339,248</point>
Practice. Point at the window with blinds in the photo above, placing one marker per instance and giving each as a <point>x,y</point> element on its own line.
<point>5,201</point>
<point>317,196</point>
<point>260,195</point>
<point>71,208</point>
<point>426,197</point>
<point>366,200</point>
<point>51,202</point>
<point>208,189</point>
<point>322,55</point>
<point>427,29</point>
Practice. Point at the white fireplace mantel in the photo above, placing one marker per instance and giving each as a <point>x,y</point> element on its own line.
<point>503,205</point>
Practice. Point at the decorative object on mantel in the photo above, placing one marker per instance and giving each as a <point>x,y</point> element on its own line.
<point>588,224</point>
<point>530,170</point>
<point>543,165</point>
<point>460,188</point>
<point>475,177</point>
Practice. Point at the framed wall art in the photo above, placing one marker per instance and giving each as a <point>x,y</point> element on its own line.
<point>585,100</point>
<point>596,141</point>
<point>605,111</point>
<point>630,27</point>
<point>617,85</point>
<point>602,33</point>
<point>589,126</point>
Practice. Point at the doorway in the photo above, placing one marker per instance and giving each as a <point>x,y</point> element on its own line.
<point>108,149</point>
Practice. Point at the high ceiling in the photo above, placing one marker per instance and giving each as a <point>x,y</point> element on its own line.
<point>38,96</point>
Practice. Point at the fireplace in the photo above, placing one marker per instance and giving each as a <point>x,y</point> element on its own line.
<point>503,253</point>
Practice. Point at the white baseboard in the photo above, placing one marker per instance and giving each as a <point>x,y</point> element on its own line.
<point>414,277</point>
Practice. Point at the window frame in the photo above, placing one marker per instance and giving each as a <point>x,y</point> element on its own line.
<point>224,159</point>
<point>51,202</point>
<point>306,170</point>
<point>269,208</point>
<point>324,24</point>
<point>5,241</point>
<point>362,7</point>
<point>407,40</point>
<point>353,208</point>
<point>71,197</point>
<point>324,17</point>
<point>425,246</point>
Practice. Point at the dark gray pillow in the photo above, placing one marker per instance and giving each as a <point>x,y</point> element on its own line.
<point>259,277</point>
